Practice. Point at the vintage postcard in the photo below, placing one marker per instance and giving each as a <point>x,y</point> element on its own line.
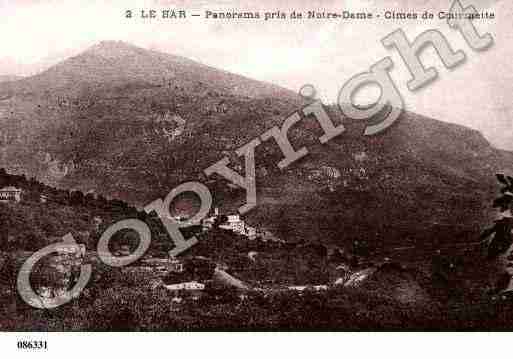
<point>249,166</point>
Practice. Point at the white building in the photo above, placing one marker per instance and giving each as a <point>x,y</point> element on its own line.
<point>185,220</point>
<point>186,286</point>
<point>10,194</point>
<point>97,222</point>
<point>176,266</point>
<point>235,224</point>
<point>251,232</point>
<point>320,287</point>
<point>208,223</point>
<point>298,288</point>
<point>72,249</point>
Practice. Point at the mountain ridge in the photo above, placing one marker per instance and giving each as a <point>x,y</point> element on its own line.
<point>117,61</point>
<point>122,121</point>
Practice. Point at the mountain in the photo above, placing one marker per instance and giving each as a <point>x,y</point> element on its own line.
<point>111,65</point>
<point>131,123</point>
<point>6,78</point>
<point>106,105</point>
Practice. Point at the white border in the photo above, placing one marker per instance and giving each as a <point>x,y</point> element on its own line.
<point>258,345</point>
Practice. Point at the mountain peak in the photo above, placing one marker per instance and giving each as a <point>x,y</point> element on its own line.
<point>113,48</point>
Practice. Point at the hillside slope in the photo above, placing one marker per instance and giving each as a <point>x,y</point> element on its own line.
<point>132,124</point>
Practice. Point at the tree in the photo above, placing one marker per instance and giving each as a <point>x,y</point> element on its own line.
<point>76,198</point>
<point>4,177</point>
<point>502,239</point>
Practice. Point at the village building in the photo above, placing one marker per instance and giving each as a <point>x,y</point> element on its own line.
<point>164,265</point>
<point>234,223</point>
<point>123,251</point>
<point>68,255</point>
<point>10,194</point>
<point>208,223</point>
<point>298,288</point>
<point>176,266</point>
<point>320,287</point>
<point>302,288</point>
<point>185,220</point>
<point>222,107</point>
<point>77,250</point>
<point>251,232</point>
<point>97,222</point>
<point>187,286</point>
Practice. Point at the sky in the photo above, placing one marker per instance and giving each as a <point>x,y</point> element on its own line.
<point>35,34</point>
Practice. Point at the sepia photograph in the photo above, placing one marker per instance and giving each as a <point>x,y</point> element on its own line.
<point>255,166</point>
